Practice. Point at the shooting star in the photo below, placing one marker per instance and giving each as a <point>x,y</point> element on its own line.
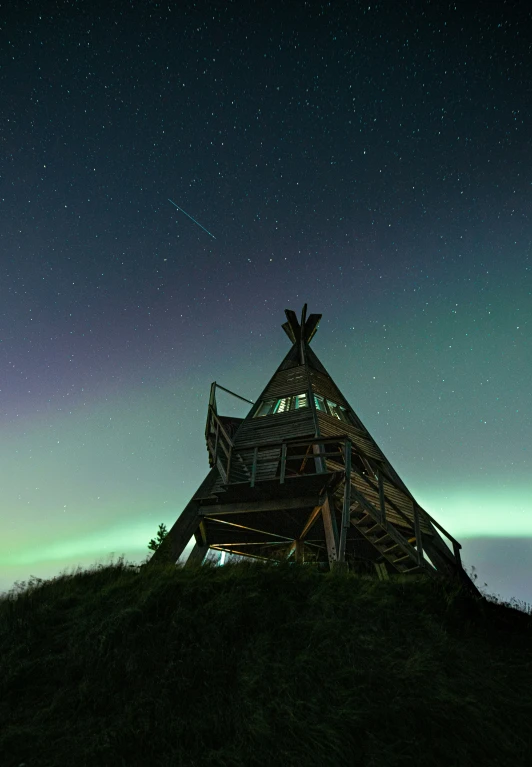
<point>192,219</point>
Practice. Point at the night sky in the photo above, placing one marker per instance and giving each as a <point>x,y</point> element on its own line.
<point>372,160</point>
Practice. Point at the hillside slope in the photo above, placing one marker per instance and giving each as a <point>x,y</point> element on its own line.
<point>260,665</point>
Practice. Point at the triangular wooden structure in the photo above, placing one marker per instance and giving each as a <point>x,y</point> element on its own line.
<point>300,476</point>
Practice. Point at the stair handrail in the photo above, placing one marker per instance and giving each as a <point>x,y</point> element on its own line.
<point>212,418</point>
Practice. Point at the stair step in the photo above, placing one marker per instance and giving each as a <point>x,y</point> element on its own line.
<point>415,569</point>
<point>391,548</point>
<point>383,538</point>
<point>367,530</point>
<point>401,559</point>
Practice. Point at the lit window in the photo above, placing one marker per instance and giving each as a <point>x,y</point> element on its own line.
<point>301,401</point>
<point>337,411</point>
<point>320,403</point>
<point>283,405</point>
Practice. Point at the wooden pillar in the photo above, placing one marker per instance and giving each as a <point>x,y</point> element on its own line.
<point>186,524</point>
<point>300,551</point>
<point>346,509</point>
<point>382,571</point>
<point>331,531</point>
<point>419,540</point>
<point>197,555</point>
<point>382,502</point>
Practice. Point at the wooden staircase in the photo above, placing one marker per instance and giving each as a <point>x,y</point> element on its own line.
<point>394,548</point>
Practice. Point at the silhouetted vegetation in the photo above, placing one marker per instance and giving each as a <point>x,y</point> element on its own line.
<point>157,542</point>
<point>257,664</point>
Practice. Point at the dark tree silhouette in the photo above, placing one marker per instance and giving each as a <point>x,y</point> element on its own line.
<point>162,532</point>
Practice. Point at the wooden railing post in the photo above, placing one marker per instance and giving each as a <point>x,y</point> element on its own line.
<point>456,549</point>
<point>346,511</point>
<point>254,466</point>
<point>283,463</point>
<point>381,496</point>
<point>228,468</point>
<point>417,531</point>
<point>216,443</point>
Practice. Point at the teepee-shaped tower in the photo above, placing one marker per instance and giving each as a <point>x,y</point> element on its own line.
<point>301,477</point>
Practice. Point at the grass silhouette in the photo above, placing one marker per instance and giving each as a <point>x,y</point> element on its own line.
<point>260,664</point>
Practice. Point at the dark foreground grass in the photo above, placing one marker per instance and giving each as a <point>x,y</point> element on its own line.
<point>260,665</point>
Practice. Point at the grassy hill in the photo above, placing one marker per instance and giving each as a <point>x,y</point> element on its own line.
<point>260,665</point>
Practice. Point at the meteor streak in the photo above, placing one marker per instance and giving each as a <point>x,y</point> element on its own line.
<point>192,219</point>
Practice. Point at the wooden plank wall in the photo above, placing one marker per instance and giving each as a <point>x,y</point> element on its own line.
<point>324,385</point>
<point>329,426</point>
<point>267,465</point>
<point>287,382</point>
<point>269,428</point>
<point>274,428</point>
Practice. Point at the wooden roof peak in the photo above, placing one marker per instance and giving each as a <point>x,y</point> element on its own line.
<point>303,330</point>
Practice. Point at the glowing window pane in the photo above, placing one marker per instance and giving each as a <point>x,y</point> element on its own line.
<point>320,403</point>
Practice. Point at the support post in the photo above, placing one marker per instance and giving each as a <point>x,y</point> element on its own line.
<point>331,532</point>
<point>381,496</point>
<point>197,555</point>
<point>300,551</point>
<point>346,510</point>
<point>283,463</point>
<point>185,526</point>
<point>382,572</point>
<point>216,443</point>
<point>228,469</point>
<point>417,531</point>
<point>254,466</point>
<point>456,549</point>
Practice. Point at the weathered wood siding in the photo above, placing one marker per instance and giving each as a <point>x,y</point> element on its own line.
<point>274,428</point>
<point>287,382</point>
<point>324,385</point>
<point>265,429</point>
<point>329,426</point>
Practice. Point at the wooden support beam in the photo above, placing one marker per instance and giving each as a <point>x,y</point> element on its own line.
<point>283,463</point>
<point>381,495</point>
<point>331,531</point>
<point>456,548</point>
<point>287,504</point>
<point>382,572</point>
<point>417,531</point>
<point>300,551</point>
<point>185,526</point>
<point>197,555</point>
<point>242,553</point>
<point>252,529</point>
<point>310,521</point>
<point>201,534</point>
<point>216,444</point>
<point>254,466</point>
<point>346,510</point>
<point>228,467</point>
<point>179,535</point>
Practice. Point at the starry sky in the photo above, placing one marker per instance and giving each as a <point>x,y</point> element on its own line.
<point>372,160</point>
